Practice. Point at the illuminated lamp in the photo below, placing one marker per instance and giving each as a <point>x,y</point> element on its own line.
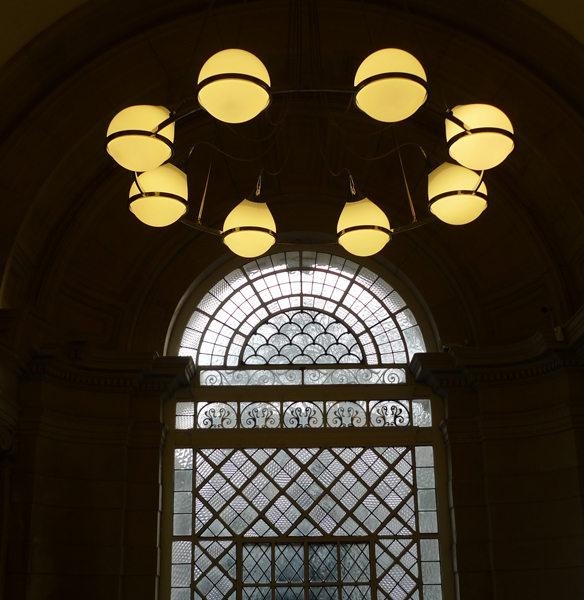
<point>234,86</point>
<point>479,136</point>
<point>159,197</point>
<point>457,195</point>
<point>391,85</point>
<point>134,141</point>
<point>363,228</point>
<point>249,229</point>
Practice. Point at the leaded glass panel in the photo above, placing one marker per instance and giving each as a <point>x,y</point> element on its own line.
<point>251,316</point>
<point>370,505</point>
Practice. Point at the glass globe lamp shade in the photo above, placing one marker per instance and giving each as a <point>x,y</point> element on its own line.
<point>249,229</point>
<point>234,86</point>
<point>363,228</point>
<point>488,140</point>
<point>159,198</point>
<point>131,142</point>
<point>453,193</point>
<point>391,85</point>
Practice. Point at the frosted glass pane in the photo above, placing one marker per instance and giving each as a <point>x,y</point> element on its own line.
<point>432,592</point>
<point>183,481</point>
<point>181,576</point>
<point>424,456</point>
<point>425,478</point>
<point>182,552</point>
<point>422,413</point>
<point>180,594</point>
<point>431,572</point>
<point>428,522</point>
<point>182,525</point>
<point>426,500</point>
<point>183,502</point>
<point>429,550</point>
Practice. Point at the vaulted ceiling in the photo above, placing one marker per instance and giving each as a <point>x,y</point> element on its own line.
<point>76,265</point>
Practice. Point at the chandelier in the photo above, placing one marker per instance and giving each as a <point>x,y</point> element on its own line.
<point>234,87</point>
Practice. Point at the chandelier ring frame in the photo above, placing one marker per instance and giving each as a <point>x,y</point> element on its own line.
<point>363,228</point>
<point>241,76</point>
<point>393,75</point>
<point>159,194</point>
<point>144,133</point>
<point>468,131</point>
<point>249,228</point>
<point>458,193</point>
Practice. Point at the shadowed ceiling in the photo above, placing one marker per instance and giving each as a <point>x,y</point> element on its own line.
<point>78,266</point>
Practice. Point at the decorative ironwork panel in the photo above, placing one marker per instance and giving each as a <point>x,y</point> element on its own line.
<point>262,296</point>
<point>250,377</point>
<point>303,414</point>
<point>347,376</point>
<point>306,376</point>
<point>302,337</point>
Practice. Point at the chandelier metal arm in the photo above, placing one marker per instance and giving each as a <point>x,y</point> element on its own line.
<point>200,227</point>
<point>413,225</point>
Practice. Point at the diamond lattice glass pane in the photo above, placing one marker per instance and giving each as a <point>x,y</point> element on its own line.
<point>322,562</point>
<point>257,593</point>
<point>289,559</point>
<point>356,592</point>
<point>323,593</point>
<point>257,563</point>
<point>289,593</point>
<point>355,562</point>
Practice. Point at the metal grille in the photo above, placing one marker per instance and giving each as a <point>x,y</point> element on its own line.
<point>298,415</point>
<point>342,523</point>
<point>374,313</point>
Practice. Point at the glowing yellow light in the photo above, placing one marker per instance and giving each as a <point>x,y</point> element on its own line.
<point>489,141</point>
<point>131,143</point>
<point>232,99</point>
<point>372,228</point>
<point>249,229</point>
<point>398,89</point>
<point>450,190</point>
<point>162,196</point>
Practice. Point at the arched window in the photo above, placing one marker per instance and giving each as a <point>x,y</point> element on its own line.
<point>303,494</point>
<point>302,308</point>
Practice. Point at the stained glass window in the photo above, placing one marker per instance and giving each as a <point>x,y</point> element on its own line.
<point>301,308</point>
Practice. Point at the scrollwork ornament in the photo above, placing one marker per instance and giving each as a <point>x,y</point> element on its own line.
<point>346,414</point>
<point>217,416</point>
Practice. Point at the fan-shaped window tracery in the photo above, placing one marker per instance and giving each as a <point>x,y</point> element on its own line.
<point>220,330</point>
<point>302,337</point>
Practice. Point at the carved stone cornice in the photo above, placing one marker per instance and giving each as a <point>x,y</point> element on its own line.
<point>77,366</point>
<point>474,368</point>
